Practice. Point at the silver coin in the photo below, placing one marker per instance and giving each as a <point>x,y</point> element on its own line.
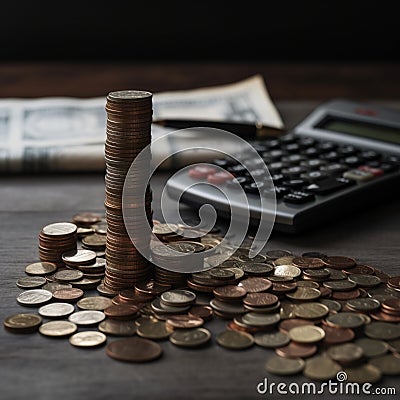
<point>31,282</point>
<point>58,328</point>
<point>159,307</point>
<point>87,317</point>
<point>34,297</point>
<point>53,286</point>
<point>271,339</point>
<point>287,270</point>
<point>260,320</point>
<point>56,310</point>
<point>178,297</point>
<point>88,339</point>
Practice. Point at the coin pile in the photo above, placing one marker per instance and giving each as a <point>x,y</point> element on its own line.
<point>56,239</point>
<point>319,314</point>
<point>129,115</point>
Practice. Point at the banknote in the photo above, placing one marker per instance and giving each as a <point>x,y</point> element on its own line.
<point>68,134</point>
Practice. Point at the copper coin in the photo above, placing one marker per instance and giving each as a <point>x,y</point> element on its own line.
<point>391,305</point>
<point>286,325</point>
<point>86,218</point>
<point>151,288</point>
<point>204,312</point>
<point>394,282</point>
<point>363,269</point>
<point>337,335</point>
<point>255,285</point>
<point>294,350</point>
<point>68,275</point>
<point>283,287</point>
<point>340,262</point>
<point>40,268</point>
<point>184,321</point>
<point>122,312</point>
<point>382,316</point>
<point>308,262</point>
<point>134,350</point>
<point>260,299</point>
<point>351,294</point>
<point>60,229</point>
<point>230,292</point>
<point>79,257</point>
<point>69,295</point>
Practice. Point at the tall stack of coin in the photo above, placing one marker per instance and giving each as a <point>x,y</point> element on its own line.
<point>56,239</point>
<point>129,115</point>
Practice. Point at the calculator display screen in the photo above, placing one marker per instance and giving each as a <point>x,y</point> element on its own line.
<point>360,128</point>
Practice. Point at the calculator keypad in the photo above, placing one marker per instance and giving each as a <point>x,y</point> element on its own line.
<point>302,167</point>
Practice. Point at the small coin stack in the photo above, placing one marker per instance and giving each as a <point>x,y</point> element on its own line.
<point>129,115</point>
<point>56,239</point>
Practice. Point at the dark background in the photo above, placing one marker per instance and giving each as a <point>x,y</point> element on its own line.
<point>200,30</point>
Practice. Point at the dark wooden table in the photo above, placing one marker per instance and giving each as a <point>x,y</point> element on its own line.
<point>33,366</point>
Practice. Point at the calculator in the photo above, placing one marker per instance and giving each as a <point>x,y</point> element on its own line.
<point>343,156</point>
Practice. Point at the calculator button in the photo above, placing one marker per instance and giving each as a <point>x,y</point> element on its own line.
<point>314,163</point>
<point>288,139</point>
<point>292,148</point>
<point>388,167</point>
<point>241,180</point>
<point>276,154</point>
<point>273,143</point>
<point>353,161</point>
<point>347,150</point>
<point>312,152</point>
<point>281,191</point>
<point>370,155</point>
<point>219,177</point>
<point>259,147</point>
<point>237,169</point>
<point>201,171</point>
<point>314,176</point>
<point>326,146</point>
<point>329,185</point>
<point>358,175</point>
<point>306,142</point>
<point>277,178</point>
<point>224,162</point>
<point>331,156</point>
<point>277,166</point>
<point>298,197</point>
<point>293,172</point>
<point>373,171</point>
<point>333,168</point>
<point>293,158</point>
<point>253,188</point>
<point>391,160</point>
<point>294,183</point>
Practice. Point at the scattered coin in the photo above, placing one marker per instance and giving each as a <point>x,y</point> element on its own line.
<point>178,297</point>
<point>307,334</point>
<point>22,323</point>
<point>254,285</point>
<point>382,330</point>
<point>271,339</point>
<point>308,262</point>
<point>340,286</point>
<point>337,335</point>
<point>154,330</point>
<point>56,310</point>
<point>363,280</point>
<point>121,311</point>
<point>203,312</point>
<point>117,328</point>
<point>260,300</point>
<point>321,368</point>
<point>86,218</point>
<point>98,303</point>
<point>388,364</point>
<point>363,304</point>
<point>88,339</point>
<point>310,310</point>
<point>31,282</point>
<point>331,304</point>
<point>287,270</point>
<point>235,340</point>
<point>294,350</point>
<point>95,241</point>
<point>284,366</point>
<point>229,293</point>
<point>304,294</point>
<point>345,320</point>
<point>345,353</point>
<point>58,328</point>
<point>34,297</point>
<point>79,257</point>
<point>258,320</point>
<point>68,275</point>
<point>363,373</point>
<point>53,286</point>
<point>86,317</point>
<point>40,268</point>
<point>275,254</point>
<point>372,347</point>
<point>340,262</point>
<point>69,295</point>
<point>190,337</point>
<point>134,350</point>
<point>184,322</point>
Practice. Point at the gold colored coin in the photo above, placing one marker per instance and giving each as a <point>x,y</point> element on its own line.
<point>235,340</point>
<point>98,303</point>
<point>88,339</point>
<point>58,328</point>
<point>306,334</point>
